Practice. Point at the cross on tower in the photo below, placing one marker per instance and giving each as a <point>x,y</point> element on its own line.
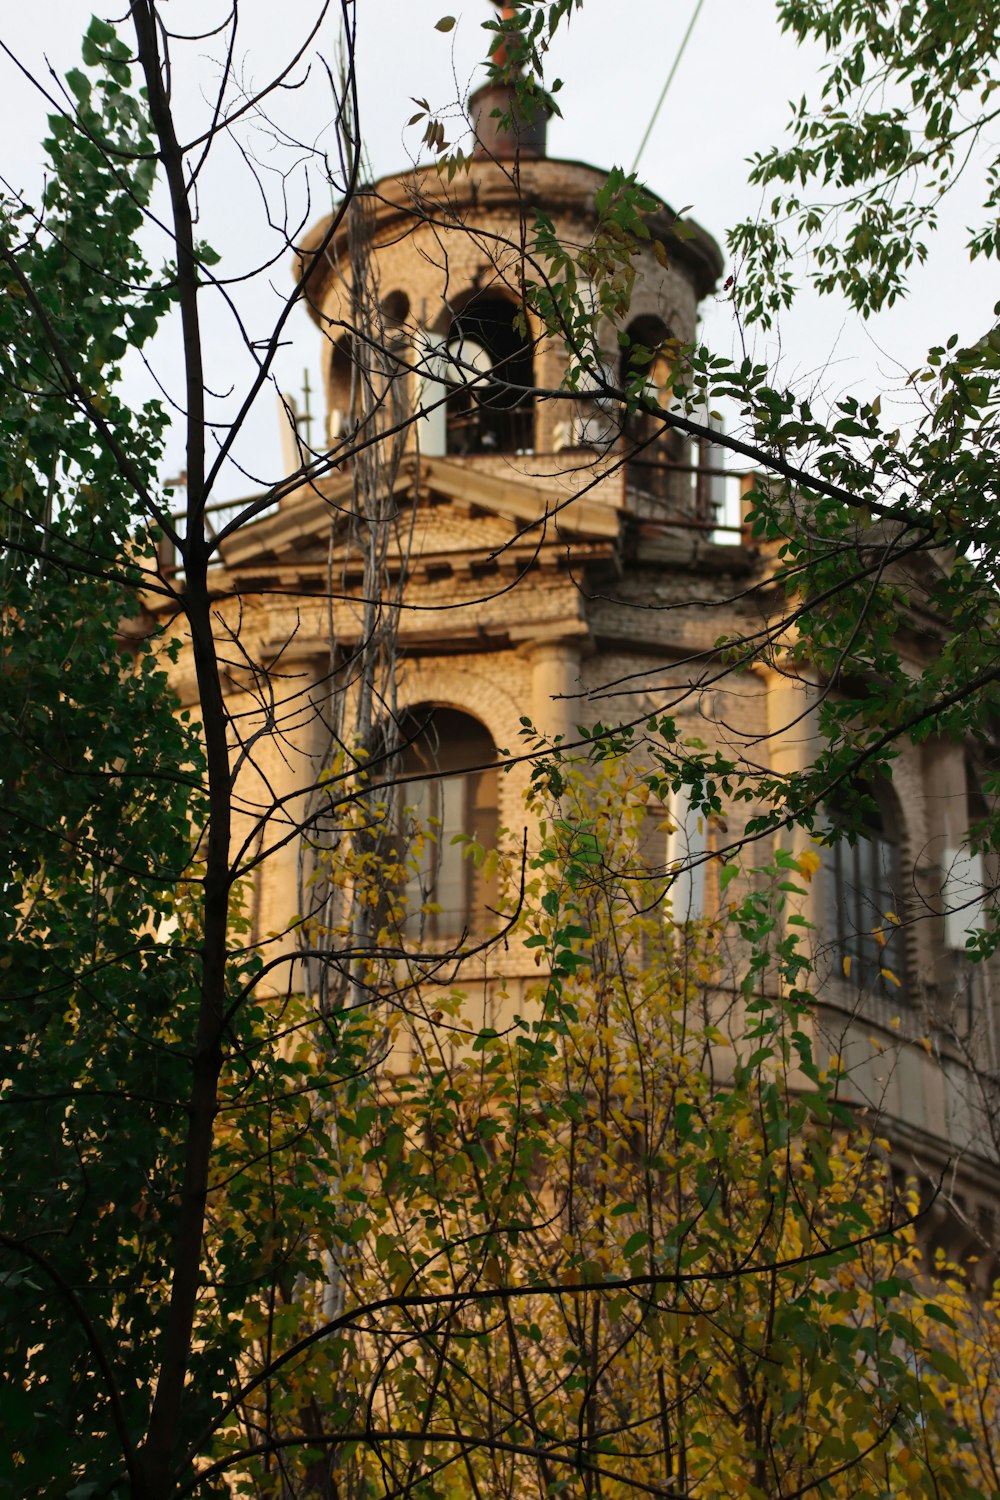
<point>305,417</point>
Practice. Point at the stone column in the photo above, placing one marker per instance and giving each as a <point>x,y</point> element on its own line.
<point>556,707</point>
<point>792,700</point>
<point>276,766</point>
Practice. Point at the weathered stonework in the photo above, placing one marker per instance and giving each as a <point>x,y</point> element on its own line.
<point>544,585</point>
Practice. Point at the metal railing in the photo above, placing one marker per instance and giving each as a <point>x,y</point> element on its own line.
<point>491,429</point>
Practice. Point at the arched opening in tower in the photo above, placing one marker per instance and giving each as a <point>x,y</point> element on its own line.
<point>491,406</point>
<point>653,452</point>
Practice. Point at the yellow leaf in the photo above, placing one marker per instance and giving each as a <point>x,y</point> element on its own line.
<point>846,961</point>
<point>809,863</point>
<point>888,974</point>
<point>491,1270</point>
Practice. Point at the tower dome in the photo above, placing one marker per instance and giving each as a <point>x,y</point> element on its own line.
<point>454,258</point>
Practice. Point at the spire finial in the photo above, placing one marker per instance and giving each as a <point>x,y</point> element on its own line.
<point>507,13</point>
<point>501,130</point>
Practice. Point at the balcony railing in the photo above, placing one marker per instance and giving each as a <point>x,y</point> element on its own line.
<point>491,429</point>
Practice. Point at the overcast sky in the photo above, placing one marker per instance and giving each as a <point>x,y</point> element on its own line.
<point>729,97</point>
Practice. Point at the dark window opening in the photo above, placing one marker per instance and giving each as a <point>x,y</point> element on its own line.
<point>966,881</point>
<point>864,893</point>
<point>395,308</point>
<point>642,356</point>
<point>366,380</point>
<point>491,405</point>
<point>979,807</point>
<point>653,452</point>
<point>341,380</point>
<point>452,799</point>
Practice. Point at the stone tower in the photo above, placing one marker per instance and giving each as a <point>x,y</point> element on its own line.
<point>553,559</point>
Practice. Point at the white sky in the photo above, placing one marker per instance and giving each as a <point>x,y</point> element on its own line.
<point>730,97</point>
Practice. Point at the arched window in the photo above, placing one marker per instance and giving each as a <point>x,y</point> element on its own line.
<point>395,308</point>
<point>341,386</point>
<point>367,377</point>
<point>864,897</point>
<point>653,453</point>
<point>687,843</point>
<point>454,795</point>
<point>642,354</point>
<point>964,887</point>
<point>489,366</point>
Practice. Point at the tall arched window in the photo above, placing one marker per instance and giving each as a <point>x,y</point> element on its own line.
<point>642,353</point>
<point>489,366</point>
<point>453,797</point>
<point>965,883</point>
<point>864,898</point>
<point>341,389</point>
<point>652,451</point>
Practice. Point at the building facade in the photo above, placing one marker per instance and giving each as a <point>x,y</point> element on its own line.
<point>509,544</point>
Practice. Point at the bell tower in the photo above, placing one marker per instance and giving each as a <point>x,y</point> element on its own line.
<point>490,543</point>
<point>452,256</point>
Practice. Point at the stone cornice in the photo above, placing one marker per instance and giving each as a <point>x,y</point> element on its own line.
<point>400,202</point>
<point>304,518</point>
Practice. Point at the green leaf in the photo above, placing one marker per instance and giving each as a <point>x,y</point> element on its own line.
<point>100,31</point>
<point>946,1365</point>
<point>79,84</point>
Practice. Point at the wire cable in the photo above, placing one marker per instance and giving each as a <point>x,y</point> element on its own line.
<point>670,78</point>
